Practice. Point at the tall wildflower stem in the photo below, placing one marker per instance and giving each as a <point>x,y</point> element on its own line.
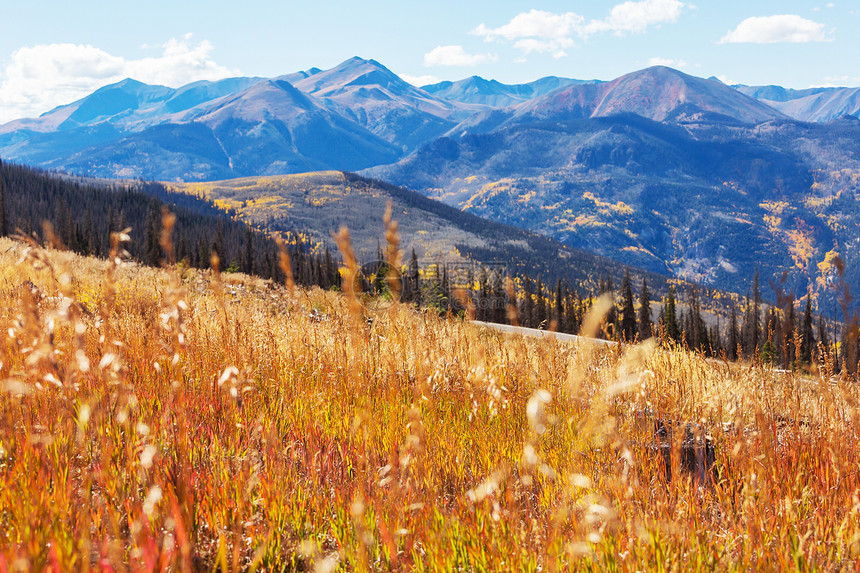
<point>349,272</point>
<point>393,254</point>
<point>285,265</point>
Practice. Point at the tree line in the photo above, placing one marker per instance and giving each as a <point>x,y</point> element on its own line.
<point>776,334</point>
<point>83,215</point>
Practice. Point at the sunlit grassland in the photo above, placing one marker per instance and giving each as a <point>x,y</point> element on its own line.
<point>173,420</point>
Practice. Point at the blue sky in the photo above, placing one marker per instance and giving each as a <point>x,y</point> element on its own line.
<point>53,52</point>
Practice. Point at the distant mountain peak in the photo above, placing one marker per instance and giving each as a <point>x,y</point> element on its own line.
<point>820,105</point>
<point>657,91</point>
<point>376,98</point>
<point>269,97</point>
<point>126,82</point>
<point>659,68</point>
<point>352,72</point>
<point>492,93</point>
<point>131,85</point>
<point>358,64</point>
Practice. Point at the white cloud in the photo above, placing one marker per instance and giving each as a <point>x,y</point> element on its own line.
<point>419,81</point>
<point>657,61</point>
<point>837,81</point>
<point>455,56</point>
<point>534,45</point>
<point>781,28</point>
<point>535,23</point>
<point>727,80</point>
<point>538,31</point>
<point>630,17</point>
<point>39,78</point>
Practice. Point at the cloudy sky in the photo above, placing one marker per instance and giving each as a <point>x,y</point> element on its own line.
<point>53,52</point>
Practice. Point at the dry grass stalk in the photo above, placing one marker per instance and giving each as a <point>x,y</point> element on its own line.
<point>429,444</point>
<point>393,254</point>
<point>285,265</point>
<point>349,272</point>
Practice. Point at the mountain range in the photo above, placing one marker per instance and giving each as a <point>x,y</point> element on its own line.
<point>358,115</point>
<point>657,168</point>
<point>813,104</point>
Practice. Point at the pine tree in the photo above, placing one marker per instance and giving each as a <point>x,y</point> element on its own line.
<point>778,329</point>
<point>755,328</point>
<point>151,238</point>
<point>64,227</point>
<point>696,336</point>
<point>644,312</point>
<point>88,239</point>
<point>716,340</point>
<point>685,328</point>
<point>333,275</point>
<point>268,264</point>
<point>788,348</point>
<point>539,318</point>
<point>4,222</point>
<point>823,339</point>
<point>576,314</point>
<point>445,290</point>
<point>628,312</point>
<point>734,339</point>
<point>204,254</point>
<point>500,299</point>
<point>218,246</point>
<point>482,299</point>
<point>248,258</point>
<point>808,342</point>
<point>527,310</point>
<point>670,317</point>
<point>611,326</point>
<point>770,348</point>
<point>558,315</point>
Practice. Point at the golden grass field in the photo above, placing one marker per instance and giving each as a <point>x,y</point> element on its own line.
<point>171,420</point>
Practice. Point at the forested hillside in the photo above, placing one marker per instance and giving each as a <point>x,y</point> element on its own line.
<point>83,213</point>
<point>499,275</point>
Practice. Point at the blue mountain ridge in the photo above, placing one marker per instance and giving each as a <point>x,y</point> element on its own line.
<point>386,118</point>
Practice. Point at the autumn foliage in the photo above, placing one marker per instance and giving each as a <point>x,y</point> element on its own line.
<point>174,420</point>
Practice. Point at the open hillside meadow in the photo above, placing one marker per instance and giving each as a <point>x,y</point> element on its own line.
<point>180,420</point>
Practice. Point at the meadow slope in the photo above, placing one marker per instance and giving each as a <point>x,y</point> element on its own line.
<point>177,420</point>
